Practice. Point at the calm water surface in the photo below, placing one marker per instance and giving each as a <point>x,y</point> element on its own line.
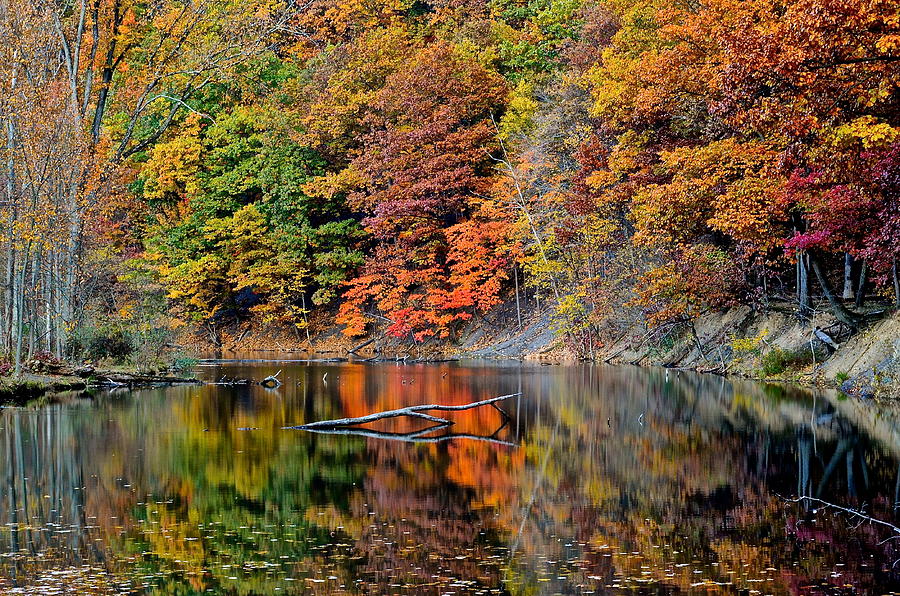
<point>603,480</point>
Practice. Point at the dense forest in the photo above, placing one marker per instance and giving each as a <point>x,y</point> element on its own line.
<point>412,164</point>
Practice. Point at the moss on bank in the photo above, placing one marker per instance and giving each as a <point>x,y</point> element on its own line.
<point>33,386</point>
<point>21,392</point>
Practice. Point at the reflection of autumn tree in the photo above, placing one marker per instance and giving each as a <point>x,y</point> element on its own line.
<point>661,484</point>
<point>620,475</point>
<point>253,485</point>
<point>208,501</point>
<point>433,504</point>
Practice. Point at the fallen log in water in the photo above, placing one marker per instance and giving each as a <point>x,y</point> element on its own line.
<point>271,382</point>
<point>231,382</point>
<point>114,379</point>
<point>359,347</point>
<point>410,411</point>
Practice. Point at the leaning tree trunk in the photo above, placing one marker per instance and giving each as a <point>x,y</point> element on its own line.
<point>841,312</point>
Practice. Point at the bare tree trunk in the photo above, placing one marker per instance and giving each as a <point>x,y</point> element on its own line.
<point>70,266</point>
<point>57,308</point>
<point>518,307</point>
<point>8,294</point>
<point>16,307</point>
<point>48,304</point>
<point>896,284</point>
<point>6,329</point>
<point>20,312</point>
<point>861,288</point>
<point>848,277</point>
<point>803,285</point>
<point>33,308</point>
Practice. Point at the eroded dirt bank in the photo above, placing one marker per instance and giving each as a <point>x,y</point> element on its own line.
<point>773,345</point>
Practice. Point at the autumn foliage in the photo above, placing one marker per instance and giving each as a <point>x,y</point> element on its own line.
<point>408,166</point>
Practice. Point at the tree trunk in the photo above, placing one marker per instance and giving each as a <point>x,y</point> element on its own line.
<point>841,312</point>
<point>19,323</point>
<point>48,305</point>
<point>8,295</point>
<point>896,284</point>
<point>57,307</point>
<point>33,310</point>
<point>861,288</point>
<point>6,323</point>
<point>803,285</point>
<point>518,307</point>
<point>848,277</point>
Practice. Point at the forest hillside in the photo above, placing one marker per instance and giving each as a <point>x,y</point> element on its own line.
<point>407,169</point>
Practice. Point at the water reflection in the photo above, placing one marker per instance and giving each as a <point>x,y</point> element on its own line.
<point>610,479</point>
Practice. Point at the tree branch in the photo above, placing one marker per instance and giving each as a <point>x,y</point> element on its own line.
<point>412,411</point>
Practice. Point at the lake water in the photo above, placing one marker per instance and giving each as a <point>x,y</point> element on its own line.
<point>601,480</point>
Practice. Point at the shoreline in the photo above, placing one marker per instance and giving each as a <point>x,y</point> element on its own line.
<point>31,387</point>
<point>767,347</point>
<point>770,345</point>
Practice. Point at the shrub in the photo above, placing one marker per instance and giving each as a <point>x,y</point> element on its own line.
<point>777,360</point>
<point>115,345</point>
<point>182,364</point>
<point>749,345</point>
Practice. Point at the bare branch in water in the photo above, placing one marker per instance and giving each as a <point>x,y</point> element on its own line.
<point>412,411</point>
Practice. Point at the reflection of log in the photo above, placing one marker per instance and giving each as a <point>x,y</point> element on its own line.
<point>853,512</point>
<point>411,411</point>
<point>416,436</point>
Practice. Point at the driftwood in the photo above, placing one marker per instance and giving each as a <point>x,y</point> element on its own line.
<point>271,382</point>
<point>432,360</point>
<point>112,379</point>
<point>230,382</point>
<point>826,339</point>
<point>355,349</point>
<point>410,411</point>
